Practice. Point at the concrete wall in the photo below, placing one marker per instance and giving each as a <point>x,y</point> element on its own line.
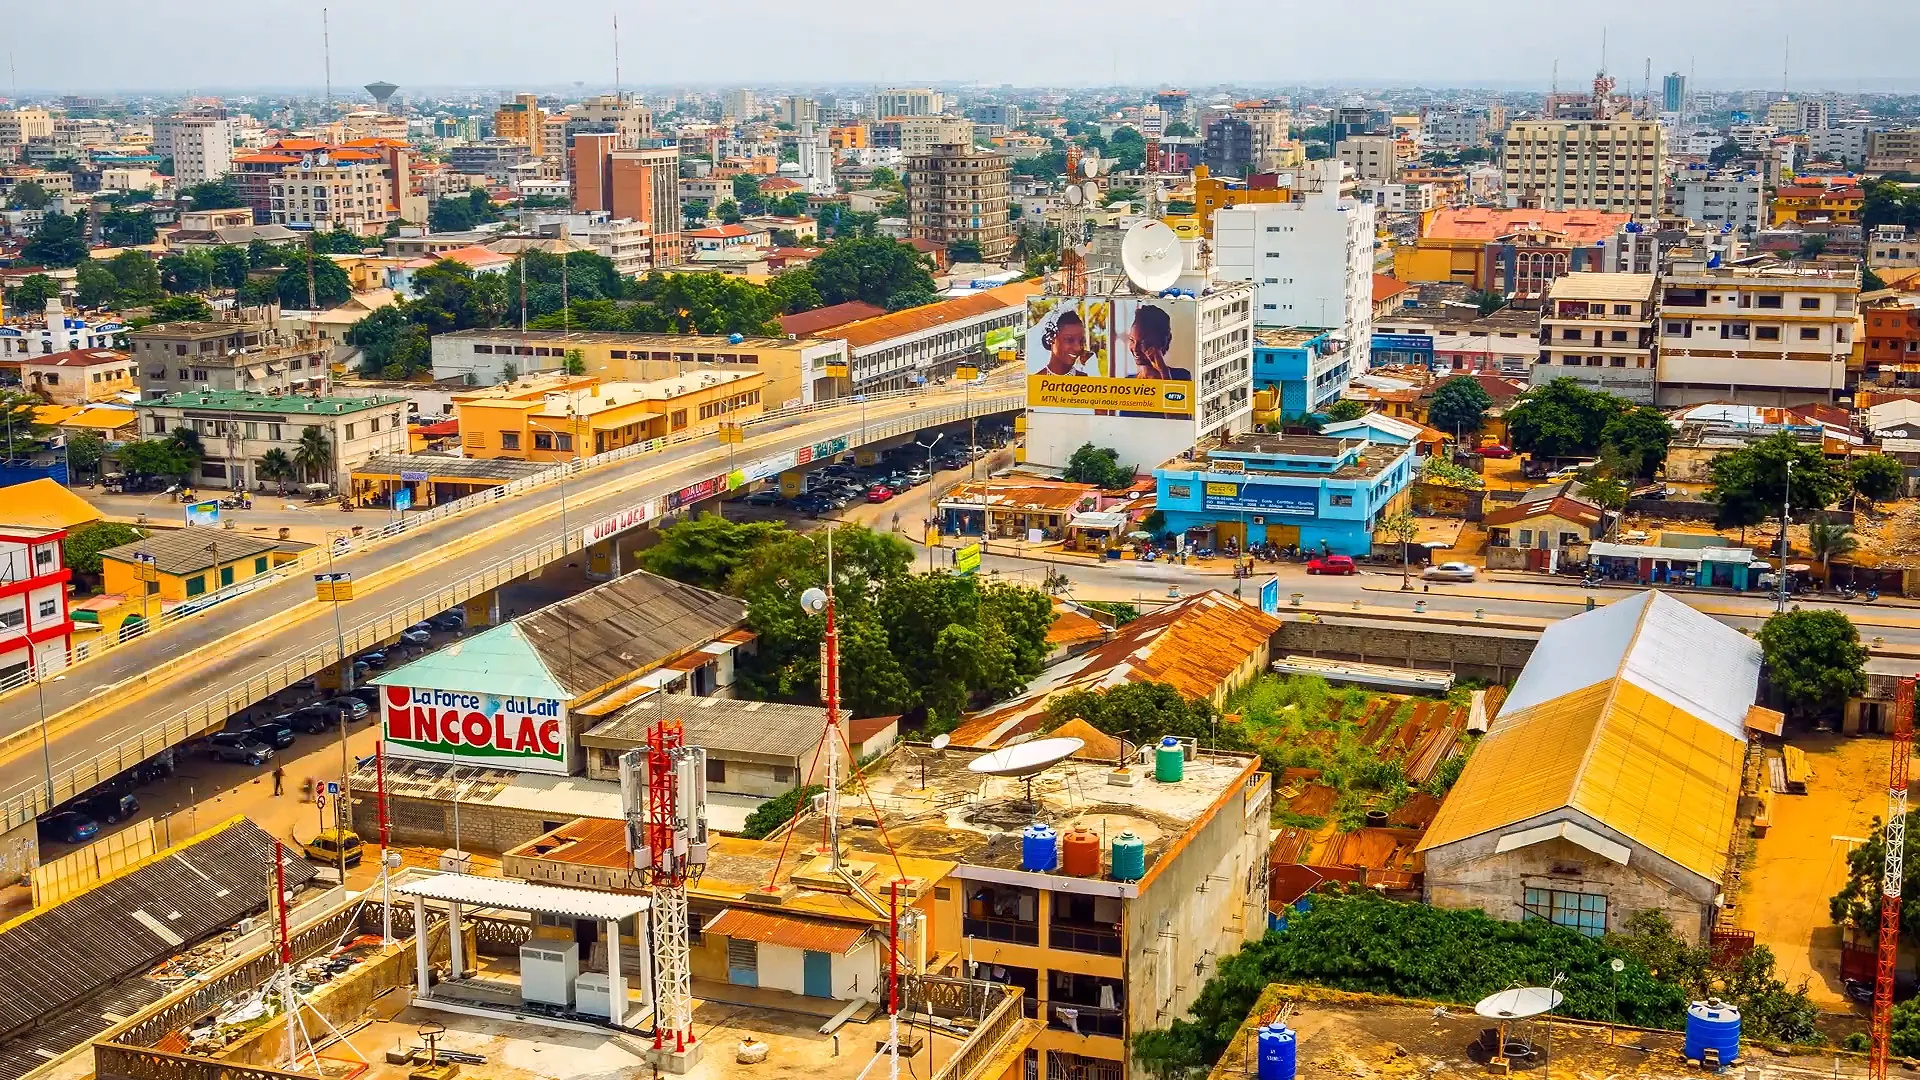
<point>19,853</point>
<point>1469,874</point>
<point>429,823</point>
<point>1490,653</point>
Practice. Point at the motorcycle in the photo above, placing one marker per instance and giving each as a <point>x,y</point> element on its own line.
<point>1873,593</point>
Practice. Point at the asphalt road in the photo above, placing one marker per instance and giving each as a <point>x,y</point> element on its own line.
<point>638,479</point>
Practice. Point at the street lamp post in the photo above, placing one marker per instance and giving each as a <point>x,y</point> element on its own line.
<point>1786,510</point>
<point>46,745</point>
<point>928,446</point>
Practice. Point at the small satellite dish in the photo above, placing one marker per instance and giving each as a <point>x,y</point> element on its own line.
<point>1074,195</point>
<point>1150,254</point>
<point>1091,190</point>
<point>813,601</point>
<point>1159,193</point>
<point>941,742</point>
<point>1090,167</point>
<point>1026,759</point>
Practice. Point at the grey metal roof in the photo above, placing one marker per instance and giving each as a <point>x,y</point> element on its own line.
<point>526,896</point>
<point>76,1024</point>
<point>719,724</point>
<point>186,551</point>
<point>448,467</point>
<point>53,958</point>
<point>627,625</point>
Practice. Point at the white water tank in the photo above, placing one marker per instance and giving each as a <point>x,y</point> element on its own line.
<point>548,970</point>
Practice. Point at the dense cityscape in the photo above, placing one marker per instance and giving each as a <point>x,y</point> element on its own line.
<point>1208,578</point>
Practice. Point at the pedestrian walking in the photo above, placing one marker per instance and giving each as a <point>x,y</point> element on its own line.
<point>279,775</point>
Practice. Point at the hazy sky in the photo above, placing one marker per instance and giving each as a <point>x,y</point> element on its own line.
<point>211,44</point>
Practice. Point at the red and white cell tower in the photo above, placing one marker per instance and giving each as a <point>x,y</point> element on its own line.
<point>664,792</point>
<point>1894,873</point>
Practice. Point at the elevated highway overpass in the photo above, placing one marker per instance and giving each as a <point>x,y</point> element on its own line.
<point>76,728</point>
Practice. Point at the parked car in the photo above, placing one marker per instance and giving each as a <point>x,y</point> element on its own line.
<point>69,827</point>
<point>1332,564</point>
<point>375,659</point>
<point>356,707</point>
<point>238,746</point>
<point>419,638</point>
<point>879,493</point>
<point>326,848</point>
<point>448,621</point>
<point>366,695</point>
<point>424,626</point>
<point>274,731</point>
<point>313,720</point>
<point>768,497</point>
<point>1449,571</point>
<point>112,807</point>
<point>1494,450</point>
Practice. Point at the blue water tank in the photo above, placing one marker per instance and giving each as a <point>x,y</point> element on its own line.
<point>1039,850</point>
<point>1129,857</point>
<point>1278,1052</point>
<point>1712,1025</point>
<point>735,339</point>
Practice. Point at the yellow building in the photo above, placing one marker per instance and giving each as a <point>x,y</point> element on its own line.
<point>1212,194</point>
<point>523,121</point>
<point>557,417</point>
<point>849,137</point>
<point>180,564</point>
<point>1839,203</point>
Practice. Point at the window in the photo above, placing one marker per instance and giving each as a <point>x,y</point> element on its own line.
<point>1585,912</point>
<point>1619,335</point>
<point>226,575</point>
<point>509,440</point>
<point>1766,333</point>
<point>1809,333</point>
<point>48,608</point>
<point>199,374</point>
<point>1623,309</point>
<point>1768,300</point>
<point>716,770</point>
<point>13,617</point>
<point>543,440</point>
<point>196,585</point>
<point>1337,499</point>
<point>260,565</point>
<point>1809,303</point>
<point>784,775</point>
<point>1679,329</point>
<point>679,419</point>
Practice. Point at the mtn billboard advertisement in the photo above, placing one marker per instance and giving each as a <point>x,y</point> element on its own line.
<point>527,734</point>
<point>1121,356</point>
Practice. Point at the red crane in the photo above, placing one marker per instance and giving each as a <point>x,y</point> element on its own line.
<point>1895,873</point>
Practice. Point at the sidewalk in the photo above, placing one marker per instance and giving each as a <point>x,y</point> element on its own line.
<point>1521,577</point>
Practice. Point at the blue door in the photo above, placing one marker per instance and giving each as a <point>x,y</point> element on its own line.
<point>817,976</point>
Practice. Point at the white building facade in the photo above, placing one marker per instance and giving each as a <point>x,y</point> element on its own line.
<point>1311,261</point>
<point>1714,199</point>
<point>201,146</point>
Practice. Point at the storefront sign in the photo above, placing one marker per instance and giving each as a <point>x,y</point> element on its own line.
<point>631,517</point>
<point>1271,498</point>
<point>203,513</point>
<point>966,560</point>
<point>528,734</point>
<point>765,467</point>
<point>1403,342</point>
<point>1270,596</point>
<point>693,493</point>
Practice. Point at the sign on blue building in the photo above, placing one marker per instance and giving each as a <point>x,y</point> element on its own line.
<point>1266,498</point>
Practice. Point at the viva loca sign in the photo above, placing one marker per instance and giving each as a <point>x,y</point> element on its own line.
<point>481,729</point>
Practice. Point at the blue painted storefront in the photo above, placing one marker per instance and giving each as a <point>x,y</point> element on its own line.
<point>1292,369</point>
<point>1294,486</point>
<point>1402,350</point>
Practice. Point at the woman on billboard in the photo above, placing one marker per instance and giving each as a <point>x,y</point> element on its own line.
<point>1065,341</point>
<point>1149,339</point>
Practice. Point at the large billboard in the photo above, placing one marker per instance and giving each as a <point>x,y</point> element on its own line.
<point>527,734</point>
<point>1131,357</point>
<point>1270,498</point>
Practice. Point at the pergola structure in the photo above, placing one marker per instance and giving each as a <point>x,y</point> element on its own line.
<point>461,891</point>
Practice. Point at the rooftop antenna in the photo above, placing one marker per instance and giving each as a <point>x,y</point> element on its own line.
<point>1786,61</point>
<point>1556,76</point>
<point>326,53</point>
<point>1646,89</point>
<point>616,56</point>
<point>1603,50</point>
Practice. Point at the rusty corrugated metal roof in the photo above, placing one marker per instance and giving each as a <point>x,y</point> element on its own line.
<point>811,934</point>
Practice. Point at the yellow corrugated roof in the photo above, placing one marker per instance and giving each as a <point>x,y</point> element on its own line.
<point>44,504</point>
<point>1619,754</point>
<point>53,414</point>
<point>105,418</point>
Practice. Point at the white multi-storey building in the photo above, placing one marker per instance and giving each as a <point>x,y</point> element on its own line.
<point>1714,199</point>
<point>332,195</point>
<point>1771,334</point>
<point>200,144</point>
<point>1597,329</point>
<point>1454,127</point>
<point>1613,165</point>
<point>1844,143</point>
<point>913,101</point>
<point>1311,261</point>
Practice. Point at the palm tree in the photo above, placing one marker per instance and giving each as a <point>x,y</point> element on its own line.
<point>314,455</point>
<point>1830,541</point>
<point>275,465</point>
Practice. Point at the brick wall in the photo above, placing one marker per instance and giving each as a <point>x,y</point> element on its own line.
<point>1491,653</point>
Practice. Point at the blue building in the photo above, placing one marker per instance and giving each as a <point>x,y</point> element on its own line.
<point>1317,492</point>
<point>1309,367</point>
<point>1402,350</point>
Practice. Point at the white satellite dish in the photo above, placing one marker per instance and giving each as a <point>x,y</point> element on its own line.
<point>941,742</point>
<point>1518,1003</point>
<point>1150,254</point>
<point>1159,193</point>
<point>1026,759</point>
<point>813,601</point>
<point>1074,195</point>
<point>1091,191</point>
<point>1090,167</point>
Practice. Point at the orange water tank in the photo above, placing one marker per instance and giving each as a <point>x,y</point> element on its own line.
<point>1082,852</point>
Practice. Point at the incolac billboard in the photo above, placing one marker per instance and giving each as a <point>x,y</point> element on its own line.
<point>528,734</point>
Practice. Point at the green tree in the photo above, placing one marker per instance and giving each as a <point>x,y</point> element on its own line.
<point>709,550</point>
<point>787,663</point>
<point>911,298</point>
<point>1876,477</point>
<point>1638,438</point>
<point>869,268</point>
<point>705,304</point>
<point>1488,302</point>
<point>963,251</point>
<point>457,213</point>
<point>746,186</point>
<point>128,228</point>
<point>1139,712</point>
<point>1723,155</point>
<point>84,451</point>
<point>694,212</point>
<point>189,270</point>
<point>28,195</point>
<point>276,466</point>
<point>1753,479</point>
<point>450,296</point>
<point>134,274</point>
<point>32,294</point>
<point>313,456</point>
<point>1828,542</point>
<point>94,285</point>
<point>143,459</point>
<point>1346,409</point>
<point>728,212</point>
<point>80,552</point>
<point>795,291</point>
<point>330,285</point>
<point>1099,466</point>
<point>57,242</point>
<point>1561,419</point>
<point>1460,404</point>
<point>20,433</point>
<point>182,309</point>
<point>1814,661</point>
<point>213,195</point>
<point>576,362</point>
<point>774,814</point>
<point>230,266</point>
<point>1605,492</point>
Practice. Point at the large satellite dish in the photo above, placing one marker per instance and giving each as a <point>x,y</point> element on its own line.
<point>1091,191</point>
<point>1518,1003</point>
<point>1073,195</point>
<point>1150,254</point>
<point>1090,167</point>
<point>1026,759</point>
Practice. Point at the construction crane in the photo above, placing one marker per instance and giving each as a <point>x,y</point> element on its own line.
<point>663,792</point>
<point>1894,873</point>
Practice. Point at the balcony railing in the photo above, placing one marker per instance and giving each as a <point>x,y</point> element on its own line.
<point>1012,931</point>
<point>1104,940</point>
<point>1086,1019</point>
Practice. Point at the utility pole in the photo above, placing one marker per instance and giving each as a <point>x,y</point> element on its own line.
<point>326,53</point>
<point>1786,502</point>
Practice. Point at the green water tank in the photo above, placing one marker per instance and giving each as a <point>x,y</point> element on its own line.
<point>1129,857</point>
<point>1169,761</point>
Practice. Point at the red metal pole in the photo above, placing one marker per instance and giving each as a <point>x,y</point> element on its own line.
<point>1894,832</point>
<point>893,948</point>
<point>279,900</point>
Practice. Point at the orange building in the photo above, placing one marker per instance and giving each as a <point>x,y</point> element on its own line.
<point>850,137</point>
<point>1511,251</point>
<point>593,170</point>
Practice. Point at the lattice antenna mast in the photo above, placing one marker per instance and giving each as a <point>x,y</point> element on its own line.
<point>1895,836</point>
<point>664,793</point>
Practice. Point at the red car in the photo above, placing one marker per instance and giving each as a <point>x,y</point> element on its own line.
<point>1332,564</point>
<point>879,493</point>
<point>1495,450</point>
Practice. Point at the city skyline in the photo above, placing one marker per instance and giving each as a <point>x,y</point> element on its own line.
<point>436,43</point>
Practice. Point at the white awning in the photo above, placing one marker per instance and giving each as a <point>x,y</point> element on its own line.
<point>525,896</point>
<point>1566,830</point>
